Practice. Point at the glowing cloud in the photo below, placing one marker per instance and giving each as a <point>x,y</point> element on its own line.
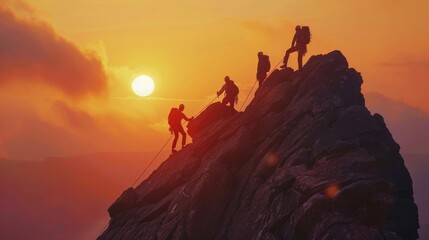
<point>30,51</point>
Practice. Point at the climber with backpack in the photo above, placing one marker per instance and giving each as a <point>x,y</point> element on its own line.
<point>231,92</point>
<point>264,66</point>
<point>300,40</point>
<point>175,121</point>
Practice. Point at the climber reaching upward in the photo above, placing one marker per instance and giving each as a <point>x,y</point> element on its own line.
<point>300,40</point>
<point>175,121</point>
<point>231,92</point>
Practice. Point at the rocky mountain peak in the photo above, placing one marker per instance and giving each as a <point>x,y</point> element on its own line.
<point>305,160</point>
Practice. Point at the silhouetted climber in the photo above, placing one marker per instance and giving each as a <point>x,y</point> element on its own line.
<point>300,40</point>
<point>264,66</point>
<point>231,92</point>
<point>175,121</point>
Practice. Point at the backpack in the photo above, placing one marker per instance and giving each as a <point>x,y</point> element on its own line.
<point>305,35</point>
<point>174,117</point>
<point>233,89</point>
<point>266,63</point>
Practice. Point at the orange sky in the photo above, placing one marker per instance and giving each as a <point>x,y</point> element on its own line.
<point>66,66</point>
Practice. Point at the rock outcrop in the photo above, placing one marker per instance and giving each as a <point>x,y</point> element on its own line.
<point>305,160</point>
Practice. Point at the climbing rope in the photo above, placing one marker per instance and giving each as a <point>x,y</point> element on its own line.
<point>245,100</point>
<point>150,163</point>
<point>269,74</point>
<point>204,108</point>
<point>165,144</point>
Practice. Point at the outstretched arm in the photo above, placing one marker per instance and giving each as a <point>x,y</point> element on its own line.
<point>221,90</point>
<point>186,118</point>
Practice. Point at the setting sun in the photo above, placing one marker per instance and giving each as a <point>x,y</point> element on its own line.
<point>143,86</point>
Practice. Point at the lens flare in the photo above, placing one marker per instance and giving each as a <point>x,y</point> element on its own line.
<point>332,190</point>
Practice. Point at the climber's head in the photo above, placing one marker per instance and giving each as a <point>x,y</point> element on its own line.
<point>227,79</point>
<point>260,54</point>
<point>181,107</point>
<point>297,28</point>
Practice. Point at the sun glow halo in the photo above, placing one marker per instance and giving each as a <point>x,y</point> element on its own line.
<point>143,86</point>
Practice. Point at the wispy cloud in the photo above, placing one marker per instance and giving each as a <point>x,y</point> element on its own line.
<point>411,62</point>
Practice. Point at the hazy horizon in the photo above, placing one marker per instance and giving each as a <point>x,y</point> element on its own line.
<point>75,96</point>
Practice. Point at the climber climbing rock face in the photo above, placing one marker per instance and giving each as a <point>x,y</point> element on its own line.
<point>264,66</point>
<point>175,121</point>
<point>231,92</point>
<point>300,40</point>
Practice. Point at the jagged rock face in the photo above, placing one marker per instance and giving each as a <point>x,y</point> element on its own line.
<point>305,160</point>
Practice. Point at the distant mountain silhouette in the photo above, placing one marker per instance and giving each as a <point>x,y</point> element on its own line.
<point>305,160</point>
<point>408,124</point>
<point>63,198</point>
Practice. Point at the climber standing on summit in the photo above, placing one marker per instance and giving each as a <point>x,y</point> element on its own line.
<point>231,92</point>
<point>300,40</point>
<point>175,121</point>
<point>264,66</point>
